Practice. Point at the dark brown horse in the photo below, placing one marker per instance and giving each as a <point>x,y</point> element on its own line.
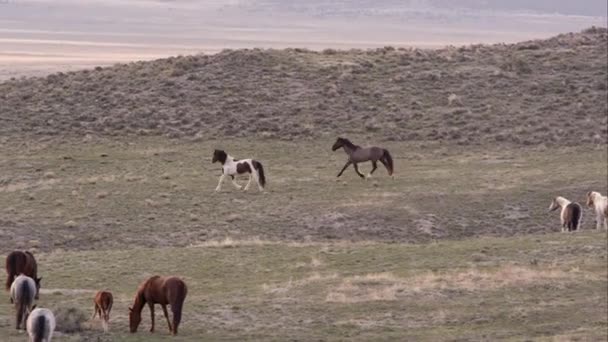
<point>103,305</point>
<point>18,262</point>
<point>159,290</point>
<point>358,154</point>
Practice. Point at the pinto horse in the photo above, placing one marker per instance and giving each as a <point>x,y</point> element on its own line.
<point>598,202</point>
<point>159,290</point>
<point>358,154</point>
<point>23,291</point>
<point>571,214</point>
<point>18,262</point>
<point>232,167</point>
<point>103,305</point>
<point>41,325</point>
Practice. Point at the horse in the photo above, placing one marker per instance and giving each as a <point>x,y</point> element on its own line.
<point>23,291</point>
<point>571,214</point>
<point>358,154</point>
<point>232,167</point>
<point>18,262</point>
<point>103,305</point>
<point>600,204</point>
<point>41,325</point>
<point>163,291</point>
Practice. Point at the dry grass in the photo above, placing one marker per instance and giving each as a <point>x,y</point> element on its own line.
<point>386,286</point>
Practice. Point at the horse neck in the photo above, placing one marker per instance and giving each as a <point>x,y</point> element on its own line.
<point>562,202</point>
<point>229,160</point>
<point>349,149</point>
<point>140,301</point>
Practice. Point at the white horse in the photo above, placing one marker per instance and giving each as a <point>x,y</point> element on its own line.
<point>232,167</point>
<point>23,291</point>
<point>41,325</point>
<point>571,214</point>
<point>600,204</point>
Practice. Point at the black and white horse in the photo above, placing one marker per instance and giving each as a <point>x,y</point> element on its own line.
<point>232,167</point>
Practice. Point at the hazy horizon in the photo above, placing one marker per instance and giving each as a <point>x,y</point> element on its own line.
<point>41,35</point>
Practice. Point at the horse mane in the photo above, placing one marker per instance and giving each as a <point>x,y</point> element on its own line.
<point>349,144</point>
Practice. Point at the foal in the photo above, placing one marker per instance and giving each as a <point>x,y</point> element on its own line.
<point>571,214</point>
<point>159,290</point>
<point>23,291</point>
<point>41,325</point>
<point>358,154</point>
<point>232,167</point>
<point>103,305</point>
<point>600,204</point>
<point>18,262</point>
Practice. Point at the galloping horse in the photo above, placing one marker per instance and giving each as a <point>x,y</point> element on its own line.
<point>571,214</point>
<point>41,325</point>
<point>163,291</point>
<point>23,291</point>
<point>103,305</point>
<point>600,204</point>
<point>232,167</point>
<point>19,262</point>
<point>358,154</point>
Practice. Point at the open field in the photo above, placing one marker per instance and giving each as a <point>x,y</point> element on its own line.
<point>313,258</point>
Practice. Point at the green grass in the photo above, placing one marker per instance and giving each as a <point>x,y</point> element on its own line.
<point>458,246</point>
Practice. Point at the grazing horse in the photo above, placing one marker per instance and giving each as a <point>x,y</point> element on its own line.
<point>163,291</point>
<point>571,214</point>
<point>358,154</point>
<point>41,325</point>
<point>103,305</point>
<point>23,291</point>
<point>232,167</point>
<point>600,204</point>
<point>19,262</point>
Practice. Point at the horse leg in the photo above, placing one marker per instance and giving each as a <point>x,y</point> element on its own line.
<point>256,177</point>
<point>357,170</point>
<point>248,183</point>
<point>374,167</point>
<point>94,313</point>
<point>219,184</point>
<point>167,317</point>
<point>236,185</point>
<point>344,168</point>
<point>151,315</point>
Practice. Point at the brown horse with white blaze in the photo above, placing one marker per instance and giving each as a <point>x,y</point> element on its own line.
<point>358,154</point>
<point>20,262</point>
<point>165,291</point>
<point>103,305</point>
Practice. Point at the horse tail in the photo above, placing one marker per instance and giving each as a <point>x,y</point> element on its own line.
<point>260,170</point>
<point>39,329</point>
<point>577,216</point>
<point>24,301</point>
<point>177,298</point>
<point>11,269</point>
<point>386,156</point>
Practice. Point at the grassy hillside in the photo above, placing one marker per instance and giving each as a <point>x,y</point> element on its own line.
<point>548,92</point>
<point>549,287</point>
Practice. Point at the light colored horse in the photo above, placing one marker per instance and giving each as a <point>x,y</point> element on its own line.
<point>232,167</point>
<point>600,204</point>
<point>571,214</point>
<point>41,325</point>
<point>23,291</point>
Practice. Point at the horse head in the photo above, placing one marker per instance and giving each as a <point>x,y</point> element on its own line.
<point>590,199</point>
<point>134,319</point>
<point>554,205</point>
<point>339,143</point>
<point>37,281</point>
<point>219,155</point>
